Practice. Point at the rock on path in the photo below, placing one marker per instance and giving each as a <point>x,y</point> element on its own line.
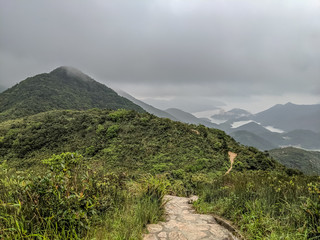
<point>184,224</point>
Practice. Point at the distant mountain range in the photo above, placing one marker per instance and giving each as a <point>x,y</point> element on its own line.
<point>290,117</point>
<point>265,130</point>
<point>250,139</point>
<point>232,114</point>
<point>48,105</point>
<point>63,88</point>
<point>278,126</point>
<point>299,138</point>
<point>171,113</point>
<point>69,88</point>
<point>189,118</point>
<point>306,161</point>
<point>148,108</point>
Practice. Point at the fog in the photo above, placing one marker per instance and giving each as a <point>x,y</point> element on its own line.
<point>191,54</point>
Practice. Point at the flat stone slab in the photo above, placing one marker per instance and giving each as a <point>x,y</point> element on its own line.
<point>184,224</point>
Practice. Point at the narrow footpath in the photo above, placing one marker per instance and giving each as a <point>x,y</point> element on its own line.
<point>232,156</point>
<point>183,223</point>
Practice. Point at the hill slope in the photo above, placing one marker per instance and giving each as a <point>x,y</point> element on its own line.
<point>126,140</point>
<point>289,117</point>
<point>252,127</point>
<point>189,118</point>
<point>251,139</point>
<point>306,161</point>
<point>121,148</point>
<point>150,109</point>
<point>303,138</point>
<point>63,88</point>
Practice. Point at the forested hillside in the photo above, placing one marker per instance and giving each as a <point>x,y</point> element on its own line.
<point>63,88</point>
<point>125,139</point>
<point>306,161</point>
<point>68,174</point>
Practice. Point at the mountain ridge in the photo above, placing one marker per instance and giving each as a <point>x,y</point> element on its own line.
<point>231,114</point>
<point>189,118</point>
<point>62,88</point>
<point>290,117</point>
<point>126,138</point>
<point>298,125</point>
<point>147,107</point>
<point>250,139</point>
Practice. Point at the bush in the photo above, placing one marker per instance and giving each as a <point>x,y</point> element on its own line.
<point>311,208</point>
<point>266,205</point>
<point>112,131</point>
<point>120,114</point>
<point>76,200</point>
<point>64,201</point>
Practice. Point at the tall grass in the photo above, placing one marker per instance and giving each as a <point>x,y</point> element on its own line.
<point>74,201</point>
<point>266,205</point>
<point>72,198</point>
<point>146,206</point>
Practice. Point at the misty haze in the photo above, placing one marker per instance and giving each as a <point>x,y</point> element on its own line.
<point>159,119</point>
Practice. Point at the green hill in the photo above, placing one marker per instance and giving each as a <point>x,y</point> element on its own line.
<point>63,88</point>
<point>306,161</point>
<point>90,173</point>
<point>125,140</point>
<point>251,139</point>
<point>111,169</point>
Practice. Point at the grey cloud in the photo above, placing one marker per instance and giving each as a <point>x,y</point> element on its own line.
<point>167,47</point>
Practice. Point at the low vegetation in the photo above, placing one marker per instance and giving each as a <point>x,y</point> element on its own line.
<point>72,200</point>
<point>306,161</point>
<point>102,174</point>
<point>266,205</point>
<point>125,140</point>
<point>63,88</point>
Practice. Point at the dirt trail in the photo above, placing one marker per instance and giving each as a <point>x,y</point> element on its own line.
<point>232,156</point>
<point>184,224</point>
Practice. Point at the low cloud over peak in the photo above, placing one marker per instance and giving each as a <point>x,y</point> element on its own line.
<point>178,48</point>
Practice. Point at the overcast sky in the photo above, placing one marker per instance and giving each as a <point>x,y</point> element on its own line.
<point>191,54</point>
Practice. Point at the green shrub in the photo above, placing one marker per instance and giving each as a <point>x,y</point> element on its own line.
<point>66,200</point>
<point>119,114</point>
<point>100,129</point>
<point>266,205</point>
<point>112,131</point>
<point>76,200</point>
<point>90,151</point>
<point>311,208</point>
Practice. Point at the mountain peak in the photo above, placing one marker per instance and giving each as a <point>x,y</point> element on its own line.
<point>289,104</point>
<point>63,88</point>
<point>71,72</point>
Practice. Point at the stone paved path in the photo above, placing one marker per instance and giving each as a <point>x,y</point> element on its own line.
<point>184,224</point>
